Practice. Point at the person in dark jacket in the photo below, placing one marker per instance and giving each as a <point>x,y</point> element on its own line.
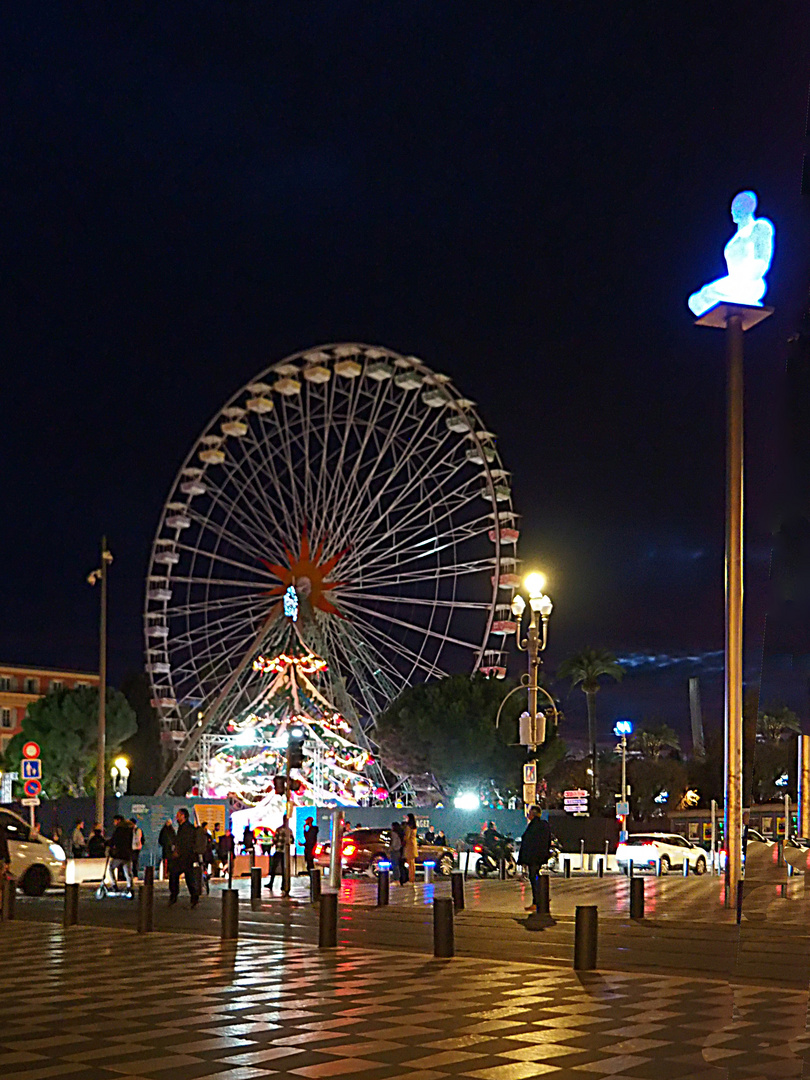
<point>225,849</point>
<point>166,838</point>
<point>310,843</point>
<point>535,848</point>
<point>120,846</point>
<point>96,845</point>
<point>182,860</point>
<point>5,854</point>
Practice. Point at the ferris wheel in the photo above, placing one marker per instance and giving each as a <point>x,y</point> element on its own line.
<point>366,482</point>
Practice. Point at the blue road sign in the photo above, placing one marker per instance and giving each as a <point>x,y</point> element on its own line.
<point>31,770</point>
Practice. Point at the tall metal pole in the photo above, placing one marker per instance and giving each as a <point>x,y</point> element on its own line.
<point>286,875</point>
<point>734,605</point>
<point>102,690</point>
<point>803,823</point>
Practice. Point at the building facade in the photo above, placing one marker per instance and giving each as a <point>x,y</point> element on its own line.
<point>19,686</point>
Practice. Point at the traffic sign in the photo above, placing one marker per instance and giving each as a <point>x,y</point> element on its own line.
<point>32,788</point>
<point>529,794</point>
<point>30,802</point>
<point>530,772</point>
<point>30,750</point>
<point>622,809</point>
<point>31,769</point>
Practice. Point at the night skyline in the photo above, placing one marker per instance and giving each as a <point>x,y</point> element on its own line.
<point>524,205</point>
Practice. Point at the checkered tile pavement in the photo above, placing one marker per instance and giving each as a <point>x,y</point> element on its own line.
<point>92,1003</point>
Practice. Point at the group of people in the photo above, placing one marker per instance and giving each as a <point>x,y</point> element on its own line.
<point>403,850</point>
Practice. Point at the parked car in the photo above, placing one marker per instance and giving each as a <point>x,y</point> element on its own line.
<point>36,862</point>
<point>365,849</point>
<point>667,850</point>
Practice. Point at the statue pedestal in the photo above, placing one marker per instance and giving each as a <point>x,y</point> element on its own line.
<point>719,315</point>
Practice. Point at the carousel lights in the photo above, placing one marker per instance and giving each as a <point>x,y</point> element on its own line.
<point>307,665</point>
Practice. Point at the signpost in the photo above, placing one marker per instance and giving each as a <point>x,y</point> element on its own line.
<point>576,802</point>
<point>31,774</point>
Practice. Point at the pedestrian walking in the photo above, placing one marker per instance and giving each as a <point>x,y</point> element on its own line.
<point>225,849</point>
<point>97,845</point>
<point>182,859</point>
<point>78,841</point>
<point>535,848</point>
<point>281,841</point>
<point>248,840</point>
<point>204,850</point>
<point>137,845</point>
<point>395,852</point>
<point>310,843</point>
<point>166,839</point>
<point>410,847</point>
<point>120,848</point>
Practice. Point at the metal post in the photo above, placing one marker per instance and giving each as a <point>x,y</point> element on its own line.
<point>739,899</point>
<point>315,885</point>
<point>8,899</point>
<point>566,867</point>
<point>807,879</point>
<point>71,913</point>
<point>101,770</point>
<point>286,871</point>
<point>715,863</point>
<point>146,903</point>
<point>327,923</point>
<point>586,930</point>
<point>600,867</point>
<point>428,867</point>
<point>734,602</point>
<point>230,914</point>
<point>383,887</point>
<point>443,940</point>
<point>780,854</point>
<point>255,887</point>
<point>502,869</point>
<point>544,907</point>
<point>803,822</point>
<point>336,851</point>
<point>637,898</point>
<point>630,868</point>
<point>686,867</point>
<point>457,889</point>
<point>787,818</point>
<point>230,869</point>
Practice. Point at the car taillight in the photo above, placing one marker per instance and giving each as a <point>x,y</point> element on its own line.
<point>478,848</point>
<point>319,849</point>
<point>349,849</point>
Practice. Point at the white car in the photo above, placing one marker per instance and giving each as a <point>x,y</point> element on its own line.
<point>664,850</point>
<point>36,862</point>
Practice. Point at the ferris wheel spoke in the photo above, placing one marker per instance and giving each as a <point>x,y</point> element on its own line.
<point>413,577</point>
<point>207,524</point>
<point>368,631</point>
<point>357,608</point>
<point>202,606</point>
<point>378,681</point>
<point>406,601</point>
<point>218,557</point>
<point>248,521</point>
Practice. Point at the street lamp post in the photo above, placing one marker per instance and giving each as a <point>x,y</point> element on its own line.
<point>119,773</point>
<point>534,645</point>
<point>92,578</point>
<point>623,728</point>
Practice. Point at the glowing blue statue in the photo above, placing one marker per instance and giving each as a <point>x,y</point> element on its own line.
<point>748,257</point>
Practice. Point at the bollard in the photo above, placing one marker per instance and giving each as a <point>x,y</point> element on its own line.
<point>600,867</point>
<point>429,873</point>
<point>566,867</point>
<point>582,854</point>
<point>327,926</point>
<point>255,887</point>
<point>783,890</point>
<point>780,854</point>
<point>739,901</point>
<point>586,928</point>
<point>8,899</point>
<point>315,885</point>
<point>146,903</point>
<point>149,876</point>
<point>637,898</point>
<point>807,879</point>
<point>230,870</point>
<point>230,914</point>
<point>197,878</point>
<point>443,941</point>
<point>71,913</point>
<point>630,868</point>
<point>502,869</point>
<point>544,907</point>
<point>383,887</point>
<point>457,889</point>
<point>686,868</point>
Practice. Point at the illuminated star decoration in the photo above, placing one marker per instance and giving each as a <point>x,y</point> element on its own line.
<point>309,566</point>
<point>291,603</point>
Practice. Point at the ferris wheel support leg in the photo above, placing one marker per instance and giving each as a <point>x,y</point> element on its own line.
<point>202,726</point>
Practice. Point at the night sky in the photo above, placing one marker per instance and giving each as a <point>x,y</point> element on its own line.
<point>523,195</point>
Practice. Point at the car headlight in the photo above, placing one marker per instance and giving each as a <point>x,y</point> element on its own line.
<point>58,852</point>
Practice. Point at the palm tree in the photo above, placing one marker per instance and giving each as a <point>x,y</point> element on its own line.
<point>653,741</point>
<point>775,722</point>
<point>585,669</point>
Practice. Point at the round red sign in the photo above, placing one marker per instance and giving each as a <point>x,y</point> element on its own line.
<point>30,750</point>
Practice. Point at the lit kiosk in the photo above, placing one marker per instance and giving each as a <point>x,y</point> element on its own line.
<point>734,303</point>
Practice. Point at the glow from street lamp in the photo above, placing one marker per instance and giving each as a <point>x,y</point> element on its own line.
<point>518,605</point>
<point>534,584</point>
<point>121,763</point>
<point>467,800</point>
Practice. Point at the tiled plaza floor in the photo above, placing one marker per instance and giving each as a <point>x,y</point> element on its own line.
<point>92,1003</point>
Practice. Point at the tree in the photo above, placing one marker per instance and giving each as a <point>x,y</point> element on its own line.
<point>442,734</point>
<point>585,669</point>
<point>144,748</point>
<point>653,741</point>
<point>776,722</point>
<point>65,724</point>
